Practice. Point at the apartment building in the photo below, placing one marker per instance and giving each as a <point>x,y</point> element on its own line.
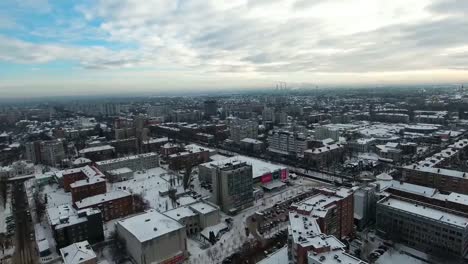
<point>50,152</point>
<point>243,128</point>
<point>287,143</point>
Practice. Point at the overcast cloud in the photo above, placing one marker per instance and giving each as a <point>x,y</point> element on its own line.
<point>354,41</point>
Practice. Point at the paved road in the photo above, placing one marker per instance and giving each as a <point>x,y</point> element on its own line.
<point>25,246</point>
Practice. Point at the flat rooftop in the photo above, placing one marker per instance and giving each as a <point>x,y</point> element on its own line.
<point>425,211</point>
<point>149,225</point>
<point>444,172</point>
<point>259,167</point>
<point>306,232</point>
<point>101,198</point>
<point>133,157</point>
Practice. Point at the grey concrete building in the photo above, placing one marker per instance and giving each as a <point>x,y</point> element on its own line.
<point>425,227</point>
<point>233,186</point>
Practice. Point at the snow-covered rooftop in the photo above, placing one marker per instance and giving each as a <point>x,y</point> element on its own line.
<point>149,225</point>
<point>259,167</point>
<point>444,172</point>
<point>77,253</point>
<point>425,211</point>
<point>101,198</point>
<point>278,257</point>
<point>203,207</point>
<point>95,149</point>
<point>334,257</point>
<point>306,232</point>
<point>89,181</point>
<point>110,161</point>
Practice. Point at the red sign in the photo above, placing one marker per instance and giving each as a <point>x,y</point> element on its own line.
<point>266,178</point>
<point>284,174</point>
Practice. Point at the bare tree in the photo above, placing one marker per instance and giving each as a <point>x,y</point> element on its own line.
<point>140,203</point>
<point>187,175</point>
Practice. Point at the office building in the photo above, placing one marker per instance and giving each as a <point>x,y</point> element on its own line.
<point>423,226</point>
<point>233,186</point>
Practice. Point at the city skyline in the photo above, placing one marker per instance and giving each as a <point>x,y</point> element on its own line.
<point>105,47</point>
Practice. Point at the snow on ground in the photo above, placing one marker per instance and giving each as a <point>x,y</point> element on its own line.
<point>149,184</point>
<point>231,241</point>
<point>56,196</point>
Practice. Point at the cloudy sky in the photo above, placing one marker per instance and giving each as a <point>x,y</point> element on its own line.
<point>55,47</point>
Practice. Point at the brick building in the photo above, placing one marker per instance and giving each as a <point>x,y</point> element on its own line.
<point>441,179</point>
<point>333,210</point>
<point>113,204</point>
<point>88,187</point>
<point>67,177</point>
<point>179,160</point>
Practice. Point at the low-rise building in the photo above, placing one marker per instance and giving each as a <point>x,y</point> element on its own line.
<point>307,243</point>
<point>121,174</point>
<point>66,177</point>
<point>195,217</point>
<point>70,226</point>
<point>441,179</point>
<point>251,145</point>
<point>423,226</point>
<point>98,153</point>
<point>112,204</point>
<point>153,237</point>
<point>135,162</point>
<point>325,156</point>
<point>78,253</point>
<point>88,187</point>
<point>192,157</point>
<point>333,210</point>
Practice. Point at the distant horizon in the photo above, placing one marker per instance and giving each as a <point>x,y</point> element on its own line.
<point>224,92</point>
<point>100,47</point>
